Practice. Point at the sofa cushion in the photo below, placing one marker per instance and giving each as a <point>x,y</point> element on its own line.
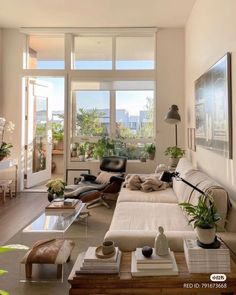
<point>184,167</point>
<point>148,216</point>
<point>104,177</point>
<point>163,196</point>
<point>139,228</point>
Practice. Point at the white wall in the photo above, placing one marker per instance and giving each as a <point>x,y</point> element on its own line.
<point>170,87</point>
<point>170,90</point>
<point>210,33</point>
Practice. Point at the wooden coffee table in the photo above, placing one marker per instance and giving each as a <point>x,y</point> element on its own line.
<point>124,283</point>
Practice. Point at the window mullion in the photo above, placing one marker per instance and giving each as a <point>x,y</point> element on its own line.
<point>113,53</point>
<point>113,113</point>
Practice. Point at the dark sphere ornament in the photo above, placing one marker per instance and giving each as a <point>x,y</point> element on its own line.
<point>147,251</point>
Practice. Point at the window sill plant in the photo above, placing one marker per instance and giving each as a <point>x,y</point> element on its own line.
<point>150,149</point>
<point>175,153</point>
<point>204,217</point>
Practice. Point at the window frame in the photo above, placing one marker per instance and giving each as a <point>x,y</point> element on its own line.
<point>70,74</point>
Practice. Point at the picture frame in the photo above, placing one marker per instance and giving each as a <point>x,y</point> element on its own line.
<point>73,176</point>
<point>213,108</point>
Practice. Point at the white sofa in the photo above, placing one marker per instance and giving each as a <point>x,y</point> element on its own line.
<point>137,214</point>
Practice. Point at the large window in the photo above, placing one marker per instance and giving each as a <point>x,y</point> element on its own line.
<point>111,97</point>
<point>112,112</point>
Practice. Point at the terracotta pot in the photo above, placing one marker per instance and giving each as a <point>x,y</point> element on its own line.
<point>151,156</point>
<point>206,235</point>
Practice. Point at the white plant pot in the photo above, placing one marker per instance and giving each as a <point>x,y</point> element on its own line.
<point>173,161</point>
<point>81,158</point>
<point>206,236</point>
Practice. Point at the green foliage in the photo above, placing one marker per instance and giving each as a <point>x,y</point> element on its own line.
<point>56,186</point>
<point>174,152</point>
<point>57,131</point>
<point>5,149</point>
<point>88,122</point>
<point>104,147</point>
<point>7,248</point>
<point>204,214</point>
<point>3,292</point>
<point>150,149</point>
<point>2,272</point>
<point>82,149</point>
<point>146,130</point>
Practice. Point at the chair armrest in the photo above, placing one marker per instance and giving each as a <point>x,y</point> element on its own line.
<point>117,179</point>
<point>89,177</point>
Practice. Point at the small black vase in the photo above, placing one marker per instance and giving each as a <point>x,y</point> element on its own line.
<point>50,198</point>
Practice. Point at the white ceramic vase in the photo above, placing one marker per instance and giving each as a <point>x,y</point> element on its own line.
<point>173,161</point>
<point>206,235</point>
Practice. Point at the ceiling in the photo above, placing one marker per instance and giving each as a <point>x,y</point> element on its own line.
<point>94,13</point>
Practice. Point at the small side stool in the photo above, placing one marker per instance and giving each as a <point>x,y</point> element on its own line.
<point>54,251</point>
<point>5,187</point>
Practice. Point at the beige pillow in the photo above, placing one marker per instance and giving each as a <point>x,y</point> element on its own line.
<point>104,177</point>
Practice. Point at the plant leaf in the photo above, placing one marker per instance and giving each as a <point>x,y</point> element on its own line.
<point>3,292</point>
<point>16,247</point>
<point>2,272</point>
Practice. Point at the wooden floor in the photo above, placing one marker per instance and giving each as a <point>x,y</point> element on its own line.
<point>18,212</point>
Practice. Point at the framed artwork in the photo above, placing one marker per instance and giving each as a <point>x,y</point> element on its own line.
<point>213,108</point>
<point>73,176</point>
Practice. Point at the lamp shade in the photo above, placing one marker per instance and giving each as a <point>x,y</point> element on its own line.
<point>173,117</point>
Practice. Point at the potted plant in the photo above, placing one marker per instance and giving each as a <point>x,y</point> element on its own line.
<point>143,156</point>
<point>150,149</point>
<point>204,217</point>
<point>104,147</point>
<point>175,153</point>
<point>56,188</point>
<point>57,135</point>
<point>82,151</point>
<point>5,147</point>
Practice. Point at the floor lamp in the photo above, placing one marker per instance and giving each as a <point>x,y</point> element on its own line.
<point>173,117</point>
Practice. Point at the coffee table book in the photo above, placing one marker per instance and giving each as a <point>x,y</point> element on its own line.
<point>60,206</point>
<point>137,272</point>
<point>201,260</point>
<point>89,263</point>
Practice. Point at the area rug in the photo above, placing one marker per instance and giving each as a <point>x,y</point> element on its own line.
<point>84,234</point>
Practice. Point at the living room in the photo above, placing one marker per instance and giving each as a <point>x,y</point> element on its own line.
<point>123,52</point>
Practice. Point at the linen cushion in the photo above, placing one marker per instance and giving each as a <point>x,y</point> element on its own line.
<point>104,177</point>
<point>163,196</point>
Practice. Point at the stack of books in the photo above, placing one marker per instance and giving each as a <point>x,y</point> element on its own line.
<point>89,263</point>
<point>154,265</point>
<point>200,260</point>
<point>67,206</point>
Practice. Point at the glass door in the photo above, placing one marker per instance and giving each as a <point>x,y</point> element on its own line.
<point>39,135</point>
